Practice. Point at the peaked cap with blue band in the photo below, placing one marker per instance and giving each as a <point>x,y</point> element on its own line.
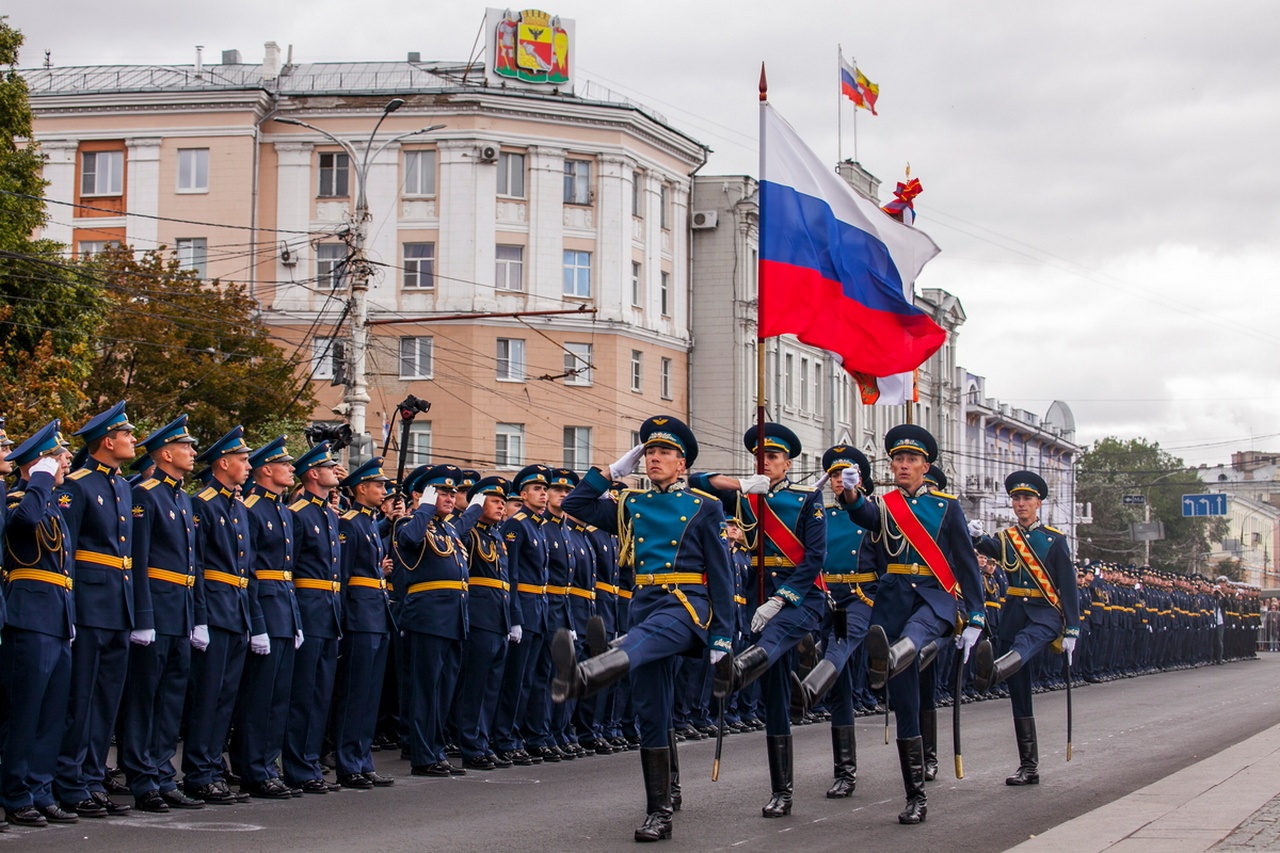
<point>316,456</point>
<point>99,425</point>
<point>46,441</point>
<point>666,431</point>
<point>232,442</point>
<point>843,456</point>
<point>369,472</point>
<point>936,476</point>
<point>273,451</point>
<point>531,474</point>
<point>175,430</point>
<point>499,487</point>
<point>776,437</point>
<point>1026,483</point>
<point>913,438</point>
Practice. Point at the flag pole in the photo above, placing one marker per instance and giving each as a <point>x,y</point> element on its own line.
<point>760,359</point>
<point>855,120</point>
<point>839,104</point>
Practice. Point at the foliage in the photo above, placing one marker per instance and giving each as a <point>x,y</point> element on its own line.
<point>1113,468</point>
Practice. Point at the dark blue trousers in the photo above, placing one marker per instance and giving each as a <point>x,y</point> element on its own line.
<point>152,713</point>
<point>315,666</point>
<point>99,662</point>
<point>1027,631</point>
<point>433,674</point>
<point>215,681</point>
<point>508,720</point>
<point>262,710</point>
<point>362,664</point>
<point>842,655</point>
<point>652,646</point>
<point>36,670</point>
<point>779,637</point>
<point>483,658</point>
<point>923,626</point>
<point>536,727</point>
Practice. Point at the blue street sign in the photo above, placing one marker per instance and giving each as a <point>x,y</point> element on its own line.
<point>1194,505</point>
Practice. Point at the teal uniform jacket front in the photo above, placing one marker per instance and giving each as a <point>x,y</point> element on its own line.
<point>1050,548</point>
<point>850,552</point>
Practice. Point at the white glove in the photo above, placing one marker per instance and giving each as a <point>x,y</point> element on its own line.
<point>627,463</point>
<point>756,484</point>
<point>716,656</point>
<point>142,636</point>
<point>764,613</point>
<point>260,644</point>
<point>573,635</point>
<point>478,500</point>
<point>73,634</point>
<point>850,478</point>
<point>297,640</point>
<point>967,640</point>
<point>976,529</point>
<point>200,637</point>
<point>428,495</point>
<point>1069,647</point>
<point>516,634</point>
<point>45,465</point>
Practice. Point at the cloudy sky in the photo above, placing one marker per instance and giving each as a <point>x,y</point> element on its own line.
<point>1096,173</point>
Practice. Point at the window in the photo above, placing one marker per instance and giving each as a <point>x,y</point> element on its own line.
<point>577,274</point>
<point>415,358</point>
<point>509,446</point>
<point>193,254</point>
<point>664,206</point>
<point>511,359</point>
<point>635,437</point>
<point>418,450</point>
<point>102,173</point>
<point>635,284</point>
<point>420,173</point>
<point>334,171</point>
<point>637,370</point>
<point>419,265</point>
<point>664,294</point>
<point>509,274</point>
<point>577,363</point>
<point>193,170</point>
<point>664,379</point>
<point>89,248</point>
<point>637,194</point>
<point>818,390</point>
<point>788,381</point>
<point>511,175</point>
<point>331,265</point>
<point>577,448</point>
<point>804,384</point>
<point>577,182</point>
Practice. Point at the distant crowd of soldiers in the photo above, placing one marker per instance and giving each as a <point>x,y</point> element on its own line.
<point>290,618</point>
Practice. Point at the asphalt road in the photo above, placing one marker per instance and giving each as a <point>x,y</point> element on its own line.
<point>1127,734</point>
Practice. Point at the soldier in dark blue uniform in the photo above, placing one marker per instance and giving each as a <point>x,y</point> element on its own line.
<point>608,604</point>
<point>366,629</point>
<point>431,568</point>
<point>317,581</point>
<point>683,601</point>
<point>223,615</point>
<point>563,556</point>
<point>263,704</point>
<point>527,563</point>
<point>35,658</point>
<point>6,468</point>
<point>1041,606</point>
<point>930,585</point>
<point>164,555</point>
<point>785,592</point>
<point>851,572</point>
<point>96,502</point>
<point>489,613</point>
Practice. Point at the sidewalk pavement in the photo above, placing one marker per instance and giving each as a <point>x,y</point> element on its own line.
<point>1227,803</point>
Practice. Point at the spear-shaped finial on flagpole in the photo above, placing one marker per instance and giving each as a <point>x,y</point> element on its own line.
<point>764,85</point>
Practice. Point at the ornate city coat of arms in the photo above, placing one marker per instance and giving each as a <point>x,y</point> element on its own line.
<point>531,46</point>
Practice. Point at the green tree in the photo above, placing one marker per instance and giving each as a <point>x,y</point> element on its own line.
<point>1113,468</point>
<point>47,309</point>
<point>170,343</point>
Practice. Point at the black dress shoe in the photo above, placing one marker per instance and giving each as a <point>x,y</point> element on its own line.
<point>333,786</point>
<point>57,813</point>
<point>27,816</point>
<point>480,762</point>
<point>314,786</point>
<point>567,752</point>
<point>215,792</point>
<point>152,803</point>
<point>514,756</point>
<point>356,781</point>
<point>499,761</point>
<point>423,770</point>
<point>295,792</point>
<point>455,771</point>
<point>85,808</point>
<point>113,808</point>
<point>269,789</point>
<point>547,754</point>
<point>116,785</point>
<point>178,800</point>
<point>378,780</point>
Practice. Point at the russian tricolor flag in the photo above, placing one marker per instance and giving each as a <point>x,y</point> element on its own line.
<point>835,271</point>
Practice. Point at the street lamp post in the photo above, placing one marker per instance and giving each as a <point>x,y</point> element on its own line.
<point>357,393</point>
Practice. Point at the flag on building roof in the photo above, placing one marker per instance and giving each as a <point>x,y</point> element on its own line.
<point>835,271</point>
<point>902,208</point>
<point>856,87</point>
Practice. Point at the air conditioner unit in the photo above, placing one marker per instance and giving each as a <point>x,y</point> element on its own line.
<point>704,219</point>
<point>288,257</point>
<point>488,154</point>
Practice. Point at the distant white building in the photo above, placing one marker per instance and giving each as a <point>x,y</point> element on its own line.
<point>1253,514</point>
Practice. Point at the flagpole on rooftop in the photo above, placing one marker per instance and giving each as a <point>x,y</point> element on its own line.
<point>855,120</point>
<point>760,359</point>
<point>839,104</point>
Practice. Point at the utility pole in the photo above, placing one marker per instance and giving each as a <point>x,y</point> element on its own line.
<point>357,392</point>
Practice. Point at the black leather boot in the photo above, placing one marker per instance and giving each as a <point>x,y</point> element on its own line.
<point>927,654</point>
<point>779,748</point>
<point>572,679</point>
<point>809,692</point>
<point>884,661</point>
<point>929,737</point>
<point>844,749</point>
<point>676,797</point>
<point>989,672</point>
<point>911,758</point>
<point>1024,728</point>
<point>656,764</point>
<point>734,672</point>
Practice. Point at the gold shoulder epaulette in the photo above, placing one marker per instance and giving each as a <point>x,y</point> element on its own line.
<point>796,487</point>
<point>1054,530</point>
<point>149,484</point>
<point>15,497</point>
<point>207,494</point>
<point>297,505</point>
<point>78,473</point>
<point>350,514</point>
<point>521,515</point>
<point>942,494</point>
<point>705,494</point>
<point>252,499</point>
